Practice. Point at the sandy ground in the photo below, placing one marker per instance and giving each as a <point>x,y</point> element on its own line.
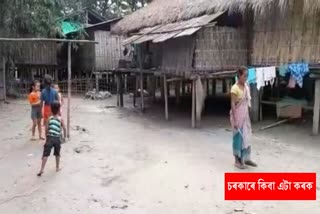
<point>136,164</point>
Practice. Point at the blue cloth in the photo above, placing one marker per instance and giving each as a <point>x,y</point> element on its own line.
<point>283,70</point>
<point>49,95</point>
<point>298,71</point>
<point>243,154</point>
<point>251,76</point>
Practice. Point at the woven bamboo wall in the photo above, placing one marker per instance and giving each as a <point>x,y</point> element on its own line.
<point>84,57</point>
<point>280,37</point>
<point>108,51</point>
<point>177,55</point>
<point>37,53</point>
<point>220,48</point>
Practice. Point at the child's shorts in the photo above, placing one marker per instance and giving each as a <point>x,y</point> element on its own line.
<point>36,112</point>
<point>52,142</point>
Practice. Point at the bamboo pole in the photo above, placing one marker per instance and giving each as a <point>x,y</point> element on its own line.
<point>118,89</point>
<point>121,89</point>
<point>165,86</point>
<point>44,40</point>
<point>316,109</point>
<point>135,90</point>
<point>141,92</point>
<point>4,79</point>
<point>69,90</point>
<point>193,114</point>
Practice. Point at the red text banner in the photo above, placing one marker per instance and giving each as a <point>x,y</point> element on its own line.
<point>270,186</point>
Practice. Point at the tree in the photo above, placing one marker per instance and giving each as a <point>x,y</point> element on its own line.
<point>29,17</point>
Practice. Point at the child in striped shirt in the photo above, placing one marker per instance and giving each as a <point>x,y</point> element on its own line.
<point>55,125</point>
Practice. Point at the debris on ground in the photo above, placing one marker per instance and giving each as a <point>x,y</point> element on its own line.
<point>238,210</point>
<point>81,149</point>
<point>98,95</point>
<point>79,128</point>
<point>122,207</point>
<point>187,186</point>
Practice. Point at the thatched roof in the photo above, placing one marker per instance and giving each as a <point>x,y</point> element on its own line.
<point>168,11</point>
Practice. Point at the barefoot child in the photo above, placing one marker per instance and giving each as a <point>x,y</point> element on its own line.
<point>60,98</point>
<point>36,114</point>
<point>54,130</point>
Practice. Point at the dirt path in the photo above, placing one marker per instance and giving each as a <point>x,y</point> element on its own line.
<point>121,162</point>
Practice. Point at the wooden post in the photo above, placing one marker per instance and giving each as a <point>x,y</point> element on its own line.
<point>165,84</point>
<point>177,92</point>
<point>139,49</point>
<point>141,92</point>
<point>135,90</point>
<point>214,87</point>
<point>254,110</point>
<point>97,81</point>
<point>208,87</point>
<point>193,114</point>
<point>126,83</point>
<point>316,109</point>
<point>162,89</point>
<point>118,89</point>
<point>260,104</point>
<point>121,89</point>
<point>69,89</point>
<point>4,79</point>
<point>154,88</point>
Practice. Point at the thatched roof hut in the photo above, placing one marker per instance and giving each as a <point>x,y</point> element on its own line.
<point>169,11</point>
<point>188,36</point>
<point>278,31</point>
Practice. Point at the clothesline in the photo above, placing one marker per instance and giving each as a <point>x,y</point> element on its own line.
<point>267,74</point>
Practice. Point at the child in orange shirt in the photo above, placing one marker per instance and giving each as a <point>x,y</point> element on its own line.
<point>36,113</point>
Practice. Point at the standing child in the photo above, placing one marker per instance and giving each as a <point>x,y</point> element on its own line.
<point>48,96</point>
<point>54,130</point>
<point>36,113</point>
<point>60,98</point>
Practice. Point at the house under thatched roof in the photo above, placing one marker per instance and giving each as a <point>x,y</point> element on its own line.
<point>168,11</point>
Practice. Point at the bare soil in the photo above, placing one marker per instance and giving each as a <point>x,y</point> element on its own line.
<point>122,161</point>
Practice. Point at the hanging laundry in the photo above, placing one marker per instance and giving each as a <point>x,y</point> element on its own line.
<point>269,74</point>
<point>283,70</point>
<point>260,78</point>
<point>292,83</point>
<point>298,71</point>
<point>251,76</point>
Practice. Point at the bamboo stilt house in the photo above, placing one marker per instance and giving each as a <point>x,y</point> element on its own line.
<point>187,36</point>
<point>209,36</point>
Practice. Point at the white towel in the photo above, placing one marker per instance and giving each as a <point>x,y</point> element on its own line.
<point>260,78</point>
<point>269,74</point>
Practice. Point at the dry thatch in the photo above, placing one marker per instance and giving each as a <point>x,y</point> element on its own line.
<point>168,11</point>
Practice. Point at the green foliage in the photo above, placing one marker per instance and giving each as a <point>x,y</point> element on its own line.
<point>30,17</point>
<point>23,18</point>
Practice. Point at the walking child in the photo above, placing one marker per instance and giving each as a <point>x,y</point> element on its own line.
<point>54,128</point>
<point>36,113</point>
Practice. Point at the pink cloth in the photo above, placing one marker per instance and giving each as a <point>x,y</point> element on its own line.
<point>292,83</point>
<point>241,118</point>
